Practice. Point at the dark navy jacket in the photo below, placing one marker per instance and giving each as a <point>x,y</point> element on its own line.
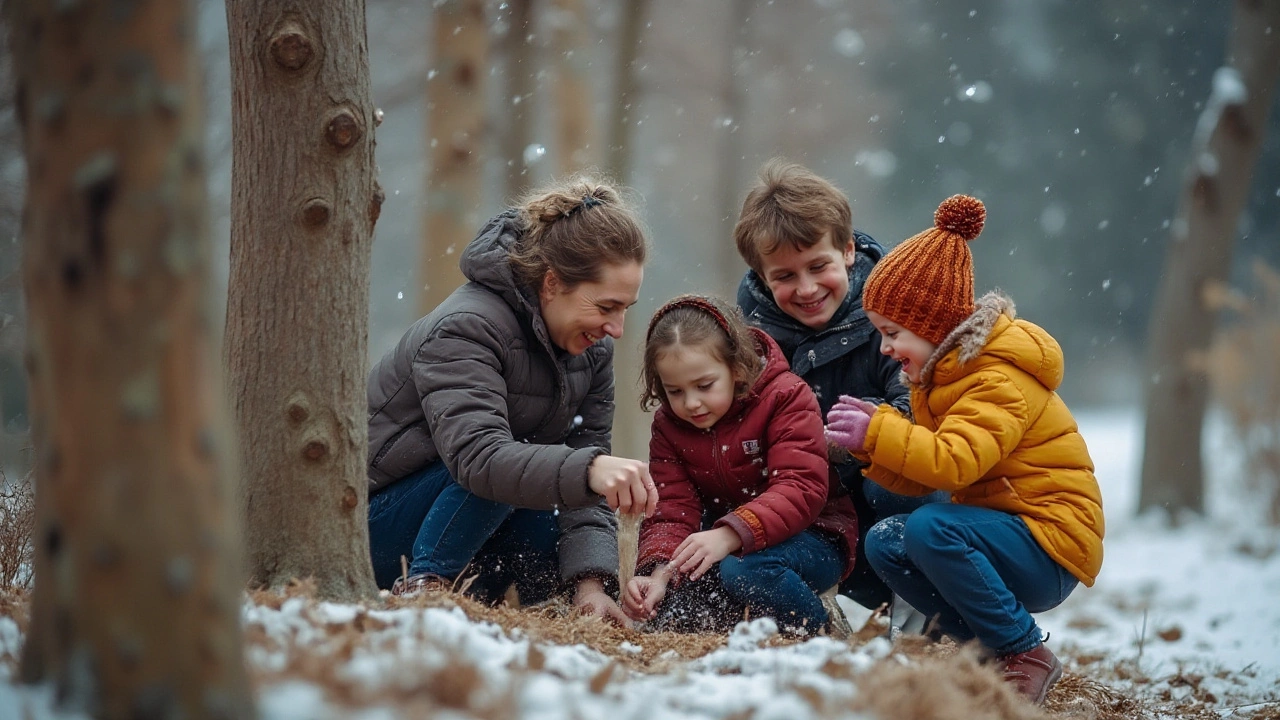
<point>842,359</point>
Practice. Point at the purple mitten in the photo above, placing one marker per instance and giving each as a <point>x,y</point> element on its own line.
<point>863,405</point>
<point>847,426</point>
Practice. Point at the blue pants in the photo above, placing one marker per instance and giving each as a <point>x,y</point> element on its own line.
<point>441,529</point>
<point>979,572</point>
<point>873,504</point>
<point>783,581</point>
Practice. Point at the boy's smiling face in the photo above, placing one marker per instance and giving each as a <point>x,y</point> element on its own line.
<point>809,284</point>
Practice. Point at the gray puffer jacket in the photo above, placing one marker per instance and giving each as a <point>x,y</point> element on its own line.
<point>478,383</point>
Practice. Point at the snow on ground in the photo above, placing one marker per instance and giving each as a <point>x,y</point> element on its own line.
<point>1176,611</point>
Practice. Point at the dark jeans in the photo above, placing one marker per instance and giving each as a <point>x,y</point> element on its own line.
<point>442,529</point>
<point>783,581</point>
<point>980,572</point>
<point>874,503</point>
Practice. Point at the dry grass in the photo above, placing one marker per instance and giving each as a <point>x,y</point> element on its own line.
<point>1245,377</point>
<point>17,526</point>
<point>920,679</point>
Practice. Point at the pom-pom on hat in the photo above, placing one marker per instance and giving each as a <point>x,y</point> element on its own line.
<point>926,283</point>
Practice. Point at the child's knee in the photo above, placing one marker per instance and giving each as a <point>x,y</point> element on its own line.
<point>884,539</point>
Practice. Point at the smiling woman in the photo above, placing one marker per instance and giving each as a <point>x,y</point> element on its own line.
<point>490,420</point>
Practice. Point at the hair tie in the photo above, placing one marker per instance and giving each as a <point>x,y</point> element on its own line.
<point>588,202</point>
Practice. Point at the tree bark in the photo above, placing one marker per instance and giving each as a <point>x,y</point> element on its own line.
<point>576,127</point>
<point>137,596</point>
<point>455,136</point>
<point>303,207</point>
<point>630,423</point>
<point>1225,148</point>
<point>518,104</point>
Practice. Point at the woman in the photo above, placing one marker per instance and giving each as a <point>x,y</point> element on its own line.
<point>490,421</point>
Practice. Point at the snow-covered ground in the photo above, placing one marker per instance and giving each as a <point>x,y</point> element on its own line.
<point>1191,611</point>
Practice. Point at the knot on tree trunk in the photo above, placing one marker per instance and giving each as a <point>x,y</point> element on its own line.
<point>343,130</point>
<point>291,49</point>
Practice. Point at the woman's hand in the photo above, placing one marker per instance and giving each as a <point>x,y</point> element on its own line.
<point>624,483</point>
<point>695,556</point>
<point>591,598</point>
<point>643,594</point>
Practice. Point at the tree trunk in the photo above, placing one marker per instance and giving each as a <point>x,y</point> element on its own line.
<point>137,597</point>
<point>576,127</point>
<point>625,88</point>
<point>304,203</point>
<point>1225,148</point>
<point>630,423</point>
<point>518,104</point>
<point>730,266</point>
<point>455,136</point>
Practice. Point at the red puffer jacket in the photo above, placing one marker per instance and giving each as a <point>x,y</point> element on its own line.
<point>761,470</point>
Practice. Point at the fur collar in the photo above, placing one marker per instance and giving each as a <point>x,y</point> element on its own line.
<point>971,335</point>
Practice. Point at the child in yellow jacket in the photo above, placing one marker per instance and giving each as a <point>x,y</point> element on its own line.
<point>1024,525</point>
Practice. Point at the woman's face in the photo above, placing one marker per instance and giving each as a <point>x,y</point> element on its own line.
<point>579,318</point>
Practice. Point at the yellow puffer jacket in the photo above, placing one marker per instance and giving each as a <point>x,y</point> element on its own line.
<point>990,428</point>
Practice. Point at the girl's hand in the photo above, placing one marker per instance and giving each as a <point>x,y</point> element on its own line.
<point>643,595</point>
<point>695,556</point>
<point>847,423</point>
<point>625,484</point>
<point>591,598</point>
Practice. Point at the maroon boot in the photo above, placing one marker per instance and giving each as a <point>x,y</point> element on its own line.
<point>1032,672</point>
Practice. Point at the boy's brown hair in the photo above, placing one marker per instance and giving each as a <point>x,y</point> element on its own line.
<point>700,321</point>
<point>790,205</point>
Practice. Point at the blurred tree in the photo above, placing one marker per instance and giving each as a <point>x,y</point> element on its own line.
<point>729,265</point>
<point>518,106</point>
<point>13,400</point>
<point>455,138</point>
<point>575,123</point>
<point>630,428</point>
<point>137,569</point>
<point>304,203</point>
<point>1224,151</point>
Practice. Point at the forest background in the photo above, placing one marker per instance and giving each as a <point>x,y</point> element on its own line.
<point>1072,121</point>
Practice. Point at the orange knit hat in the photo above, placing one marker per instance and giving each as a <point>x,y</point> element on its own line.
<point>926,283</point>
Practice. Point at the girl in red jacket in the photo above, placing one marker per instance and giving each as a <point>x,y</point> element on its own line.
<point>743,524</point>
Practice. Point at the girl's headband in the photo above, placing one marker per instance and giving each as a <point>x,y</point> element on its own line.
<point>692,301</point>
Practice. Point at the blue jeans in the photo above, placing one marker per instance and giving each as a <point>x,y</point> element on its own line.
<point>863,586</point>
<point>442,529</point>
<point>979,572</point>
<point>783,581</point>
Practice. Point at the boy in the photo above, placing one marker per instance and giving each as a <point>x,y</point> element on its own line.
<point>1024,526</point>
<point>804,289</point>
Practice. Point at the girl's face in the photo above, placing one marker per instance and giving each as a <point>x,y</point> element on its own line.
<point>699,385</point>
<point>902,345</point>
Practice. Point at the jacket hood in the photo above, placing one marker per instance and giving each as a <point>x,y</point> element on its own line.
<point>994,334</point>
<point>848,328</point>
<point>486,260</point>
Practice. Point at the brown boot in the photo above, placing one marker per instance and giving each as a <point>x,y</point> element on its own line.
<point>1032,672</point>
<point>418,584</point>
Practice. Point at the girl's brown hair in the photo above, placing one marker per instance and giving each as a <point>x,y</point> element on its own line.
<point>700,321</point>
<point>574,228</point>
